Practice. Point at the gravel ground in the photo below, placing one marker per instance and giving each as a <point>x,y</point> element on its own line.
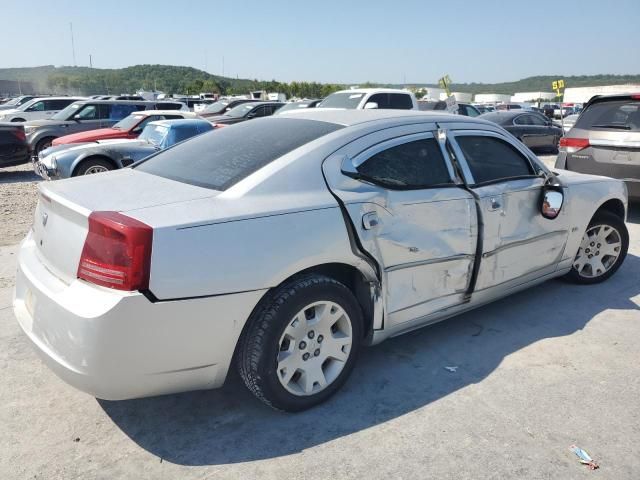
<point>536,372</point>
<point>18,198</point>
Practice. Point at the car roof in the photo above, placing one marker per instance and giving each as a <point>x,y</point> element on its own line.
<point>58,98</point>
<point>264,102</point>
<point>355,117</point>
<point>148,113</point>
<point>181,123</point>
<point>123,102</point>
<point>374,90</point>
<point>505,114</point>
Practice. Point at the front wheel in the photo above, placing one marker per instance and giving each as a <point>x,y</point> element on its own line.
<point>602,250</point>
<point>91,166</point>
<point>301,345</point>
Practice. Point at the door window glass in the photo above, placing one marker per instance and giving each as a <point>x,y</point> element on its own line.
<point>491,159</point>
<point>417,164</point>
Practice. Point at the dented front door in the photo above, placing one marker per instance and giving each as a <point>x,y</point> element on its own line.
<point>423,239</point>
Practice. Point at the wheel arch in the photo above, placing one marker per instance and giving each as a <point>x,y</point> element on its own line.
<point>80,160</point>
<point>349,275</point>
<point>614,206</point>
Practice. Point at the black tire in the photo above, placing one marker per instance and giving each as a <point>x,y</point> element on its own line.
<point>606,219</point>
<point>91,163</point>
<point>43,144</point>
<point>18,120</point>
<point>260,343</point>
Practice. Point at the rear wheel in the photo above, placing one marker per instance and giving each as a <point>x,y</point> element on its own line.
<point>300,347</point>
<point>602,250</point>
<point>91,166</point>
<point>43,144</point>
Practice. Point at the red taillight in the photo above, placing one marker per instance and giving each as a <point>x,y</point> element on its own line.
<point>117,252</point>
<point>19,134</point>
<point>635,96</point>
<point>577,143</point>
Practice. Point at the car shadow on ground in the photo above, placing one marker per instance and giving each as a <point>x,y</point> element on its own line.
<point>18,176</point>
<point>401,375</point>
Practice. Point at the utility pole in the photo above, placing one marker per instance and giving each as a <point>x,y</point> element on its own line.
<point>90,62</point>
<point>73,47</point>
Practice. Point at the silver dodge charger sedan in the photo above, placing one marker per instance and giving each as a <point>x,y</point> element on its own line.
<point>285,244</point>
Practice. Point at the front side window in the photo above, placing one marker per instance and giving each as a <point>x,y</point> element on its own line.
<point>491,159</point>
<point>89,112</point>
<point>538,120</point>
<point>36,107</point>
<point>259,112</point>
<point>240,110</point>
<point>119,111</point>
<point>68,113</point>
<point>523,120</point>
<point>412,165</point>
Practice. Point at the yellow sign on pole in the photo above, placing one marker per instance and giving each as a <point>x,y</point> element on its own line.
<point>445,82</point>
<point>557,86</point>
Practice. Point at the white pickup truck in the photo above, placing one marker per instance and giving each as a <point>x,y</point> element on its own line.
<point>367,98</point>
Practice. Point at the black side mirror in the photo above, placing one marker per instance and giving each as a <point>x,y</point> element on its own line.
<point>552,200</point>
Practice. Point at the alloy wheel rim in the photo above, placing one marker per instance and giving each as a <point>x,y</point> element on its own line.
<point>599,251</point>
<point>95,169</point>
<point>314,348</point>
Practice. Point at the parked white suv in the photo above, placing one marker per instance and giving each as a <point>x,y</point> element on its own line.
<point>368,98</point>
<point>38,109</point>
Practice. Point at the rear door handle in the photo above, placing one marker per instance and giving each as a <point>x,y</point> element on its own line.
<point>370,220</point>
<point>495,203</point>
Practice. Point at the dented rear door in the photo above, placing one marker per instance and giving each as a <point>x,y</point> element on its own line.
<point>423,236</point>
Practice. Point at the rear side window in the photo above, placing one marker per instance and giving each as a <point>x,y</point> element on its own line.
<point>614,115</point>
<point>168,106</point>
<point>491,159</point>
<point>417,164</point>
<point>400,101</point>
<point>222,158</point>
<point>382,99</point>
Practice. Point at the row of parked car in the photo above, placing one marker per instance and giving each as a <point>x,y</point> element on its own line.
<point>81,138</point>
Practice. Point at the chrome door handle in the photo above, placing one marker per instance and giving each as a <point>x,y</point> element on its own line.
<point>370,220</point>
<point>494,203</point>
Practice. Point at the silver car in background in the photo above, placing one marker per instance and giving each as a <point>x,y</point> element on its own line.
<point>286,243</point>
<point>605,140</point>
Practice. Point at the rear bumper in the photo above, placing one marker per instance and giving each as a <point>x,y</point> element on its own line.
<point>119,345</point>
<point>18,158</point>
<point>630,174</point>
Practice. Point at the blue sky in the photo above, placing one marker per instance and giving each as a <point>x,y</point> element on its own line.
<point>332,41</point>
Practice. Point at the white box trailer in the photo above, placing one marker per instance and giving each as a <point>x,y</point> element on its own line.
<point>584,94</point>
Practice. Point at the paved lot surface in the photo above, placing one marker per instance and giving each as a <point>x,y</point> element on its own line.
<point>538,371</point>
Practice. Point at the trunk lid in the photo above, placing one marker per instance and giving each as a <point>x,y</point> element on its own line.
<point>61,218</point>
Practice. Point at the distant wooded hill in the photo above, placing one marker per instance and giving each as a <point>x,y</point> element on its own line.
<point>174,79</point>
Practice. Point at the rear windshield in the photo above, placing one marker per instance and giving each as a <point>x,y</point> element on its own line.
<point>614,115</point>
<point>221,158</point>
